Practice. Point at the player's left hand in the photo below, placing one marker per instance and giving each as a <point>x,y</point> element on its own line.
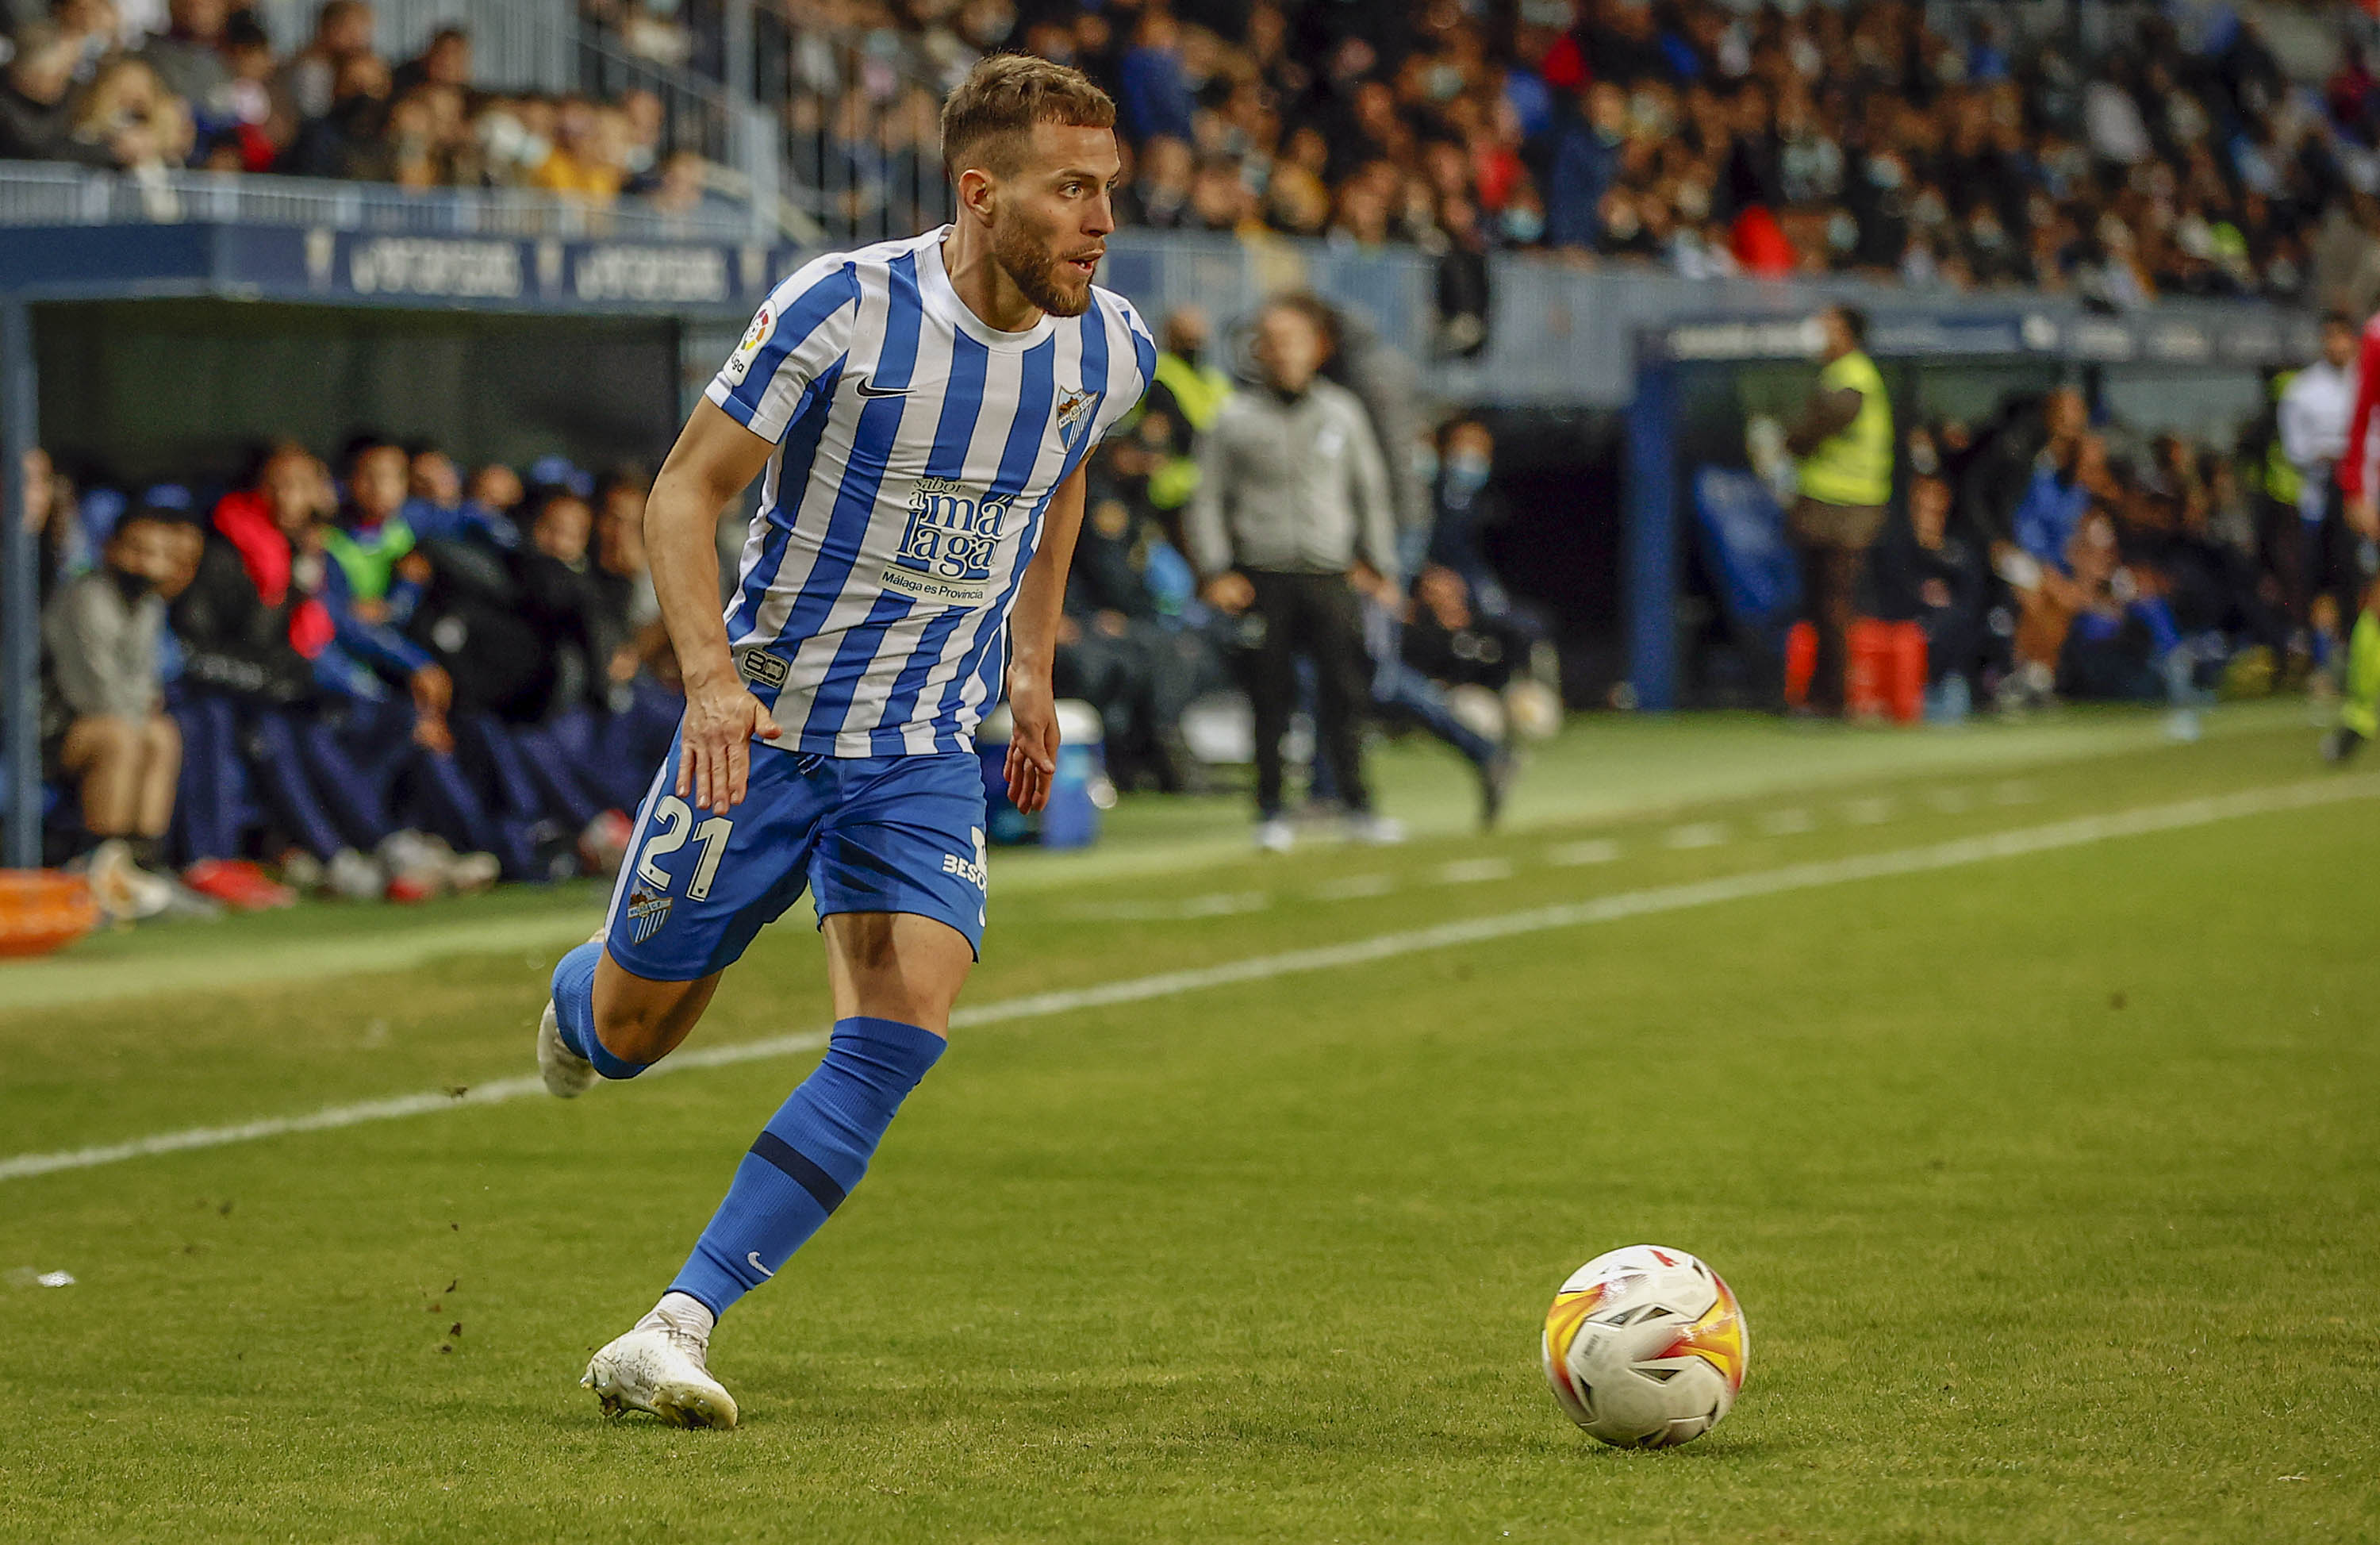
<point>1032,744</point>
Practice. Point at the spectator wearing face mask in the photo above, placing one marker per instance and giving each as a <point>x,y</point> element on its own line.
<point>107,727</point>
<point>1463,505</point>
<point>1928,573</point>
<point>348,138</point>
<point>305,86</point>
<point>1189,392</point>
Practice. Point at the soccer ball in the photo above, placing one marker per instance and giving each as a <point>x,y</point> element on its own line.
<point>1645,1347</point>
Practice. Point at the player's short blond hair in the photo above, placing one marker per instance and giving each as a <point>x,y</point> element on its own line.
<point>984,121</point>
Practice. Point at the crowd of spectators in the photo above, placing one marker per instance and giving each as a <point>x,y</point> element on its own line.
<point>212,90</point>
<point>1700,136</point>
<point>389,676</point>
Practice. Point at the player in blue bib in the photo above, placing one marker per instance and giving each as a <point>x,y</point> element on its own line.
<point>919,412</point>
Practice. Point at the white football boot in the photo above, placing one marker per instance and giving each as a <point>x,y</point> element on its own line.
<point>658,1366</point>
<point>567,1075</point>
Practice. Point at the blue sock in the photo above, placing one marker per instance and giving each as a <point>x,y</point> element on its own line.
<point>574,1011</point>
<point>809,1157</point>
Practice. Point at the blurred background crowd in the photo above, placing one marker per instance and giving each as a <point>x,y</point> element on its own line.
<point>208,87</point>
<point>363,669</point>
<point>377,674</point>
<point>380,674</point>
<point>2160,156</point>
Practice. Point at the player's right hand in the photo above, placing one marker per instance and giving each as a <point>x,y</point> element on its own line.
<point>714,762</point>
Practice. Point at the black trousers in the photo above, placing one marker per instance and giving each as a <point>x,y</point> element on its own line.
<point>1316,615</point>
<point>1831,542</point>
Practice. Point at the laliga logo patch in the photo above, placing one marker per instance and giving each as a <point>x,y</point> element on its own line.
<point>1073,412</point>
<point>739,364</point>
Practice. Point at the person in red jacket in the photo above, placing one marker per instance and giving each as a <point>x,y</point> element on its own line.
<point>2350,575</point>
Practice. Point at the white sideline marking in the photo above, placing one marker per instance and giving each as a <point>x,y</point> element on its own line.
<point>1595,850</point>
<point>1471,872</point>
<point>2082,830</point>
<point>1702,833</point>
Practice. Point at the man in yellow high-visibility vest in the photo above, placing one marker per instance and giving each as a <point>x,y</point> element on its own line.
<point>1189,391</point>
<point>1844,446</point>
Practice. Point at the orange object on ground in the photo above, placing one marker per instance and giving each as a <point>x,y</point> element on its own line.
<point>43,909</point>
<point>1888,668</point>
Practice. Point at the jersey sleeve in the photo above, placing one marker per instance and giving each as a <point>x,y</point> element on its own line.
<point>1138,357</point>
<point>796,336</point>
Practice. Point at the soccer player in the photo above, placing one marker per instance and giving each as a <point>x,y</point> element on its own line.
<point>922,410</point>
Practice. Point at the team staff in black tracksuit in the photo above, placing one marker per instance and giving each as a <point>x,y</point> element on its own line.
<point>1291,514</point>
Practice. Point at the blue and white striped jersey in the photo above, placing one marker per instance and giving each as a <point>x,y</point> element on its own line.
<point>917,450</point>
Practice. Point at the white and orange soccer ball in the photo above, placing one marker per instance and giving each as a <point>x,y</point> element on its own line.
<point>1645,1347</point>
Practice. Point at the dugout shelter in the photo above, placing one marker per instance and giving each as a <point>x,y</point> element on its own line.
<point>157,350</point>
<point>2200,369</point>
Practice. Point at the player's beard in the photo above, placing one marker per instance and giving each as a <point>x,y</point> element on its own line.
<point>1039,277</point>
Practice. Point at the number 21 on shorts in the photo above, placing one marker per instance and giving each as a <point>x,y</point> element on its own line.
<point>672,823</point>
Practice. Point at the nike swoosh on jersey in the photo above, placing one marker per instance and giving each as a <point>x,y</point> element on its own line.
<point>870,389</point>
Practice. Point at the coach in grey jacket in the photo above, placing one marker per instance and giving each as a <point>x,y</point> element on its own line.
<point>1291,516</point>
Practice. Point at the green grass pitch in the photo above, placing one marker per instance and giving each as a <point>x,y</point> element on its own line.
<point>2046,1182</point>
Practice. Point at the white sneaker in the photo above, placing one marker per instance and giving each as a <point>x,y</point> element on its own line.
<point>125,890</point>
<point>353,877</point>
<point>659,1368</point>
<point>416,870</point>
<point>1375,831</point>
<point>1276,835</point>
<point>302,872</point>
<point>464,873</point>
<point>567,1075</point>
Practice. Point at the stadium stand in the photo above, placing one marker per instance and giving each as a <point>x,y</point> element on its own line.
<point>1943,145</point>
<point>1597,170</point>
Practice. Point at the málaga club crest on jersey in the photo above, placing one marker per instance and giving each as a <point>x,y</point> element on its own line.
<point>1073,412</point>
<point>947,546</point>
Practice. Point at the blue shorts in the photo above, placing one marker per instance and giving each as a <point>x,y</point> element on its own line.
<point>863,834</point>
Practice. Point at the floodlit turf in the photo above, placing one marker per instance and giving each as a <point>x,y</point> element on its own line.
<point>2046,1183</point>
